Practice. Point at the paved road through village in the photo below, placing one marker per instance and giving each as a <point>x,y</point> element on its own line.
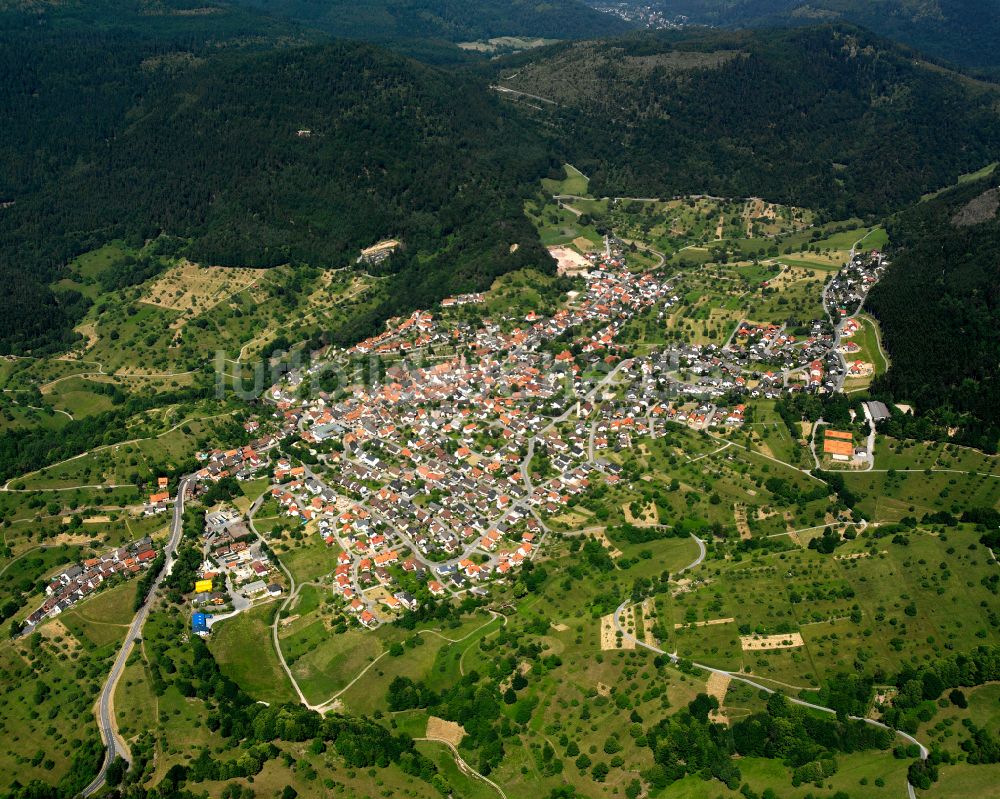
<point>114,745</point>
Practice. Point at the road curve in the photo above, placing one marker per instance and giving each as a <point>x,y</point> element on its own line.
<point>674,658</point>
<point>464,766</point>
<point>113,743</point>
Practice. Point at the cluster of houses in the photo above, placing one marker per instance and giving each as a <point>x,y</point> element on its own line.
<point>427,469</point>
<point>765,348</point>
<point>159,500</point>
<point>233,560</point>
<point>476,298</point>
<point>83,579</point>
<point>848,288</point>
<point>784,362</point>
<point>427,475</point>
<point>241,463</point>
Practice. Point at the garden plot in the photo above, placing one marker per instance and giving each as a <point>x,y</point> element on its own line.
<point>755,643</point>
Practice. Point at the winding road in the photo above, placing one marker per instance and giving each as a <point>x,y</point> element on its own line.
<point>114,745</point>
<point>674,658</point>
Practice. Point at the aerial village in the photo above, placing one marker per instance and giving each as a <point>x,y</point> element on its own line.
<point>83,579</point>
<point>431,470</point>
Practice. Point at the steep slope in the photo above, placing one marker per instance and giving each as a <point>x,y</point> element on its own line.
<point>449,20</point>
<point>828,117</point>
<point>205,147</point>
<point>964,32</point>
<point>939,307</point>
<point>70,73</point>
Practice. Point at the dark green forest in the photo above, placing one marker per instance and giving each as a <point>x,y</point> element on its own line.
<point>70,74</point>
<point>939,307</point>
<point>127,124</point>
<point>964,32</point>
<point>448,20</point>
<point>829,117</point>
<point>206,148</point>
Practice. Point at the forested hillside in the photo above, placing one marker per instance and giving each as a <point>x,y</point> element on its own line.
<point>69,76</point>
<point>964,32</point>
<point>205,147</point>
<point>449,20</point>
<point>828,117</point>
<point>939,307</point>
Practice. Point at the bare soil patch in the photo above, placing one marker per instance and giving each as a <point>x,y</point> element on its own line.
<point>718,686</point>
<point>981,209</point>
<point>569,262</point>
<point>613,551</point>
<point>648,621</point>
<point>740,517</point>
<point>857,555</point>
<point>89,332</point>
<point>53,629</point>
<point>706,623</point>
<point>788,276</point>
<point>647,517</point>
<point>441,730</point>
<point>609,639</point>
<point>765,449</point>
<point>754,643</point>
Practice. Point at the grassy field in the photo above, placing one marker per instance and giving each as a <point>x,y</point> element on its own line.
<point>308,559</point>
<point>947,729</point>
<point>895,454</point>
<point>710,478</point>
<point>102,619</point>
<point>50,683</point>
<point>867,338</point>
<point>245,653</point>
<point>817,595</point>
<point>856,775</point>
<point>429,655</point>
<point>771,436</point>
<point>176,321</point>
<point>77,396</point>
<point>969,177</point>
<point>323,662</point>
<point>466,786</point>
<point>168,440</point>
<point>889,497</point>
<point>574,182</point>
<point>962,780</point>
